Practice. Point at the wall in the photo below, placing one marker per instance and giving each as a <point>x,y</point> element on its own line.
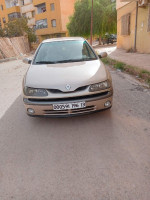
<point>49,15</point>
<point>63,9</point>
<point>67,9</point>
<point>143,37</point>
<point>3,13</point>
<point>120,4</point>
<point>126,42</point>
<point>13,47</point>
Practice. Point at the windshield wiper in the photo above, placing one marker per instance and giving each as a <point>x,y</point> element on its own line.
<point>45,62</point>
<point>65,61</point>
<point>77,60</point>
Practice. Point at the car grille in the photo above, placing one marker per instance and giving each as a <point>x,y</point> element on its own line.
<point>70,112</point>
<point>56,91</point>
<point>103,94</point>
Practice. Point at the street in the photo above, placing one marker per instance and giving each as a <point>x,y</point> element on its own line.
<point>102,156</point>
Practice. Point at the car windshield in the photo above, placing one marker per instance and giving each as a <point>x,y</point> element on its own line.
<point>64,51</point>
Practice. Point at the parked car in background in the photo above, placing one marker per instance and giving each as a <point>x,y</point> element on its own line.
<point>65,78</point>
<point>109,38</point>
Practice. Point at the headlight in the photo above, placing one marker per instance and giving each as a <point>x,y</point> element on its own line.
<point>99,86</point>
<point>35,92</point>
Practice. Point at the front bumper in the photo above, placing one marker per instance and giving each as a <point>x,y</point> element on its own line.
<point>44,107</point>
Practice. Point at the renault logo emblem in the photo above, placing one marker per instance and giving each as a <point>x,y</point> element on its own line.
<point>68,87</point>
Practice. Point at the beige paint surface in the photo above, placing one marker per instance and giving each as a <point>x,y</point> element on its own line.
<point>49,15</point>
<point>4,13</point>
<point>143,37</point>
<point>120,4</point>
<point>126,42</point>
<point>67,9</point>
<point>63,10</point>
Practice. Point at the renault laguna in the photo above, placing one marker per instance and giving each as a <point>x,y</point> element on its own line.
<point>66,77</point>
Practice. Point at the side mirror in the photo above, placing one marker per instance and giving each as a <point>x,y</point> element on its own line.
<point>27,61</point>
<point>102,55</point>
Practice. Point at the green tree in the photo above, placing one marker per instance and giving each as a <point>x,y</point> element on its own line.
<point>19,27</point>
<point>1,32</point>
<point>104,18</point>
<point>79,22</point>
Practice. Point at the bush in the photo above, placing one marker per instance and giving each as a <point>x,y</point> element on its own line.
<point>18,27</point>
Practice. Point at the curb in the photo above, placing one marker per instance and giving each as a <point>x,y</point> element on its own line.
<point>7,59</point>
<point>103,45</point>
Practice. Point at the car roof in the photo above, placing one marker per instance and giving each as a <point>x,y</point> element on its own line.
<point>63,39</point>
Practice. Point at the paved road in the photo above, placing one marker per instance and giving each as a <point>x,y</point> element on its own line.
<point>103,156</point>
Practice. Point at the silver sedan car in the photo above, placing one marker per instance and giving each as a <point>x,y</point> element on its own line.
<point>66,77</point>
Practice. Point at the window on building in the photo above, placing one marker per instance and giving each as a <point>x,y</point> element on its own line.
<point>53,22</point>
<point>148,29</point>
<point>58,35</point>
<point>14,15</point>
<point>2,7</point>
<point>4,20</point>
<point>52,6</point>
<point>14,3</point>
<point>41,8</point>
<point>22,2</point>
<point>125,24</point>
<point>40,24</point>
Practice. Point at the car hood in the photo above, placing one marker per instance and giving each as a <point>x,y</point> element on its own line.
<point>57,76</point>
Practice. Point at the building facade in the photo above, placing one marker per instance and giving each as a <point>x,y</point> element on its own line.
<point>28,11</point>
<point>48,17</point>
<point>133,25</point>
<point>9,9</point>
<point>52,17</point>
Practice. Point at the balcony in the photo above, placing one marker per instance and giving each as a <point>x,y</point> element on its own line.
<point>27,8</point>
<point>11,3</point>
<point>15,15</point>
<point>15,9</point>
<point>31,22</point>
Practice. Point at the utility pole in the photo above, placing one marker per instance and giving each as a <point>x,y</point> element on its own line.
<point>136,20</point>
<point>91,24</point>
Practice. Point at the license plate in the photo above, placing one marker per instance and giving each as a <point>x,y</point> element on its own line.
<point>69,106</point>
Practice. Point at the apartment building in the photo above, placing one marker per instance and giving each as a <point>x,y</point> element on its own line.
<point>9,9</point>
<point>133,25</point>
<point>48,17</point>
<point>28,11</point>
<point>52,17</point>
